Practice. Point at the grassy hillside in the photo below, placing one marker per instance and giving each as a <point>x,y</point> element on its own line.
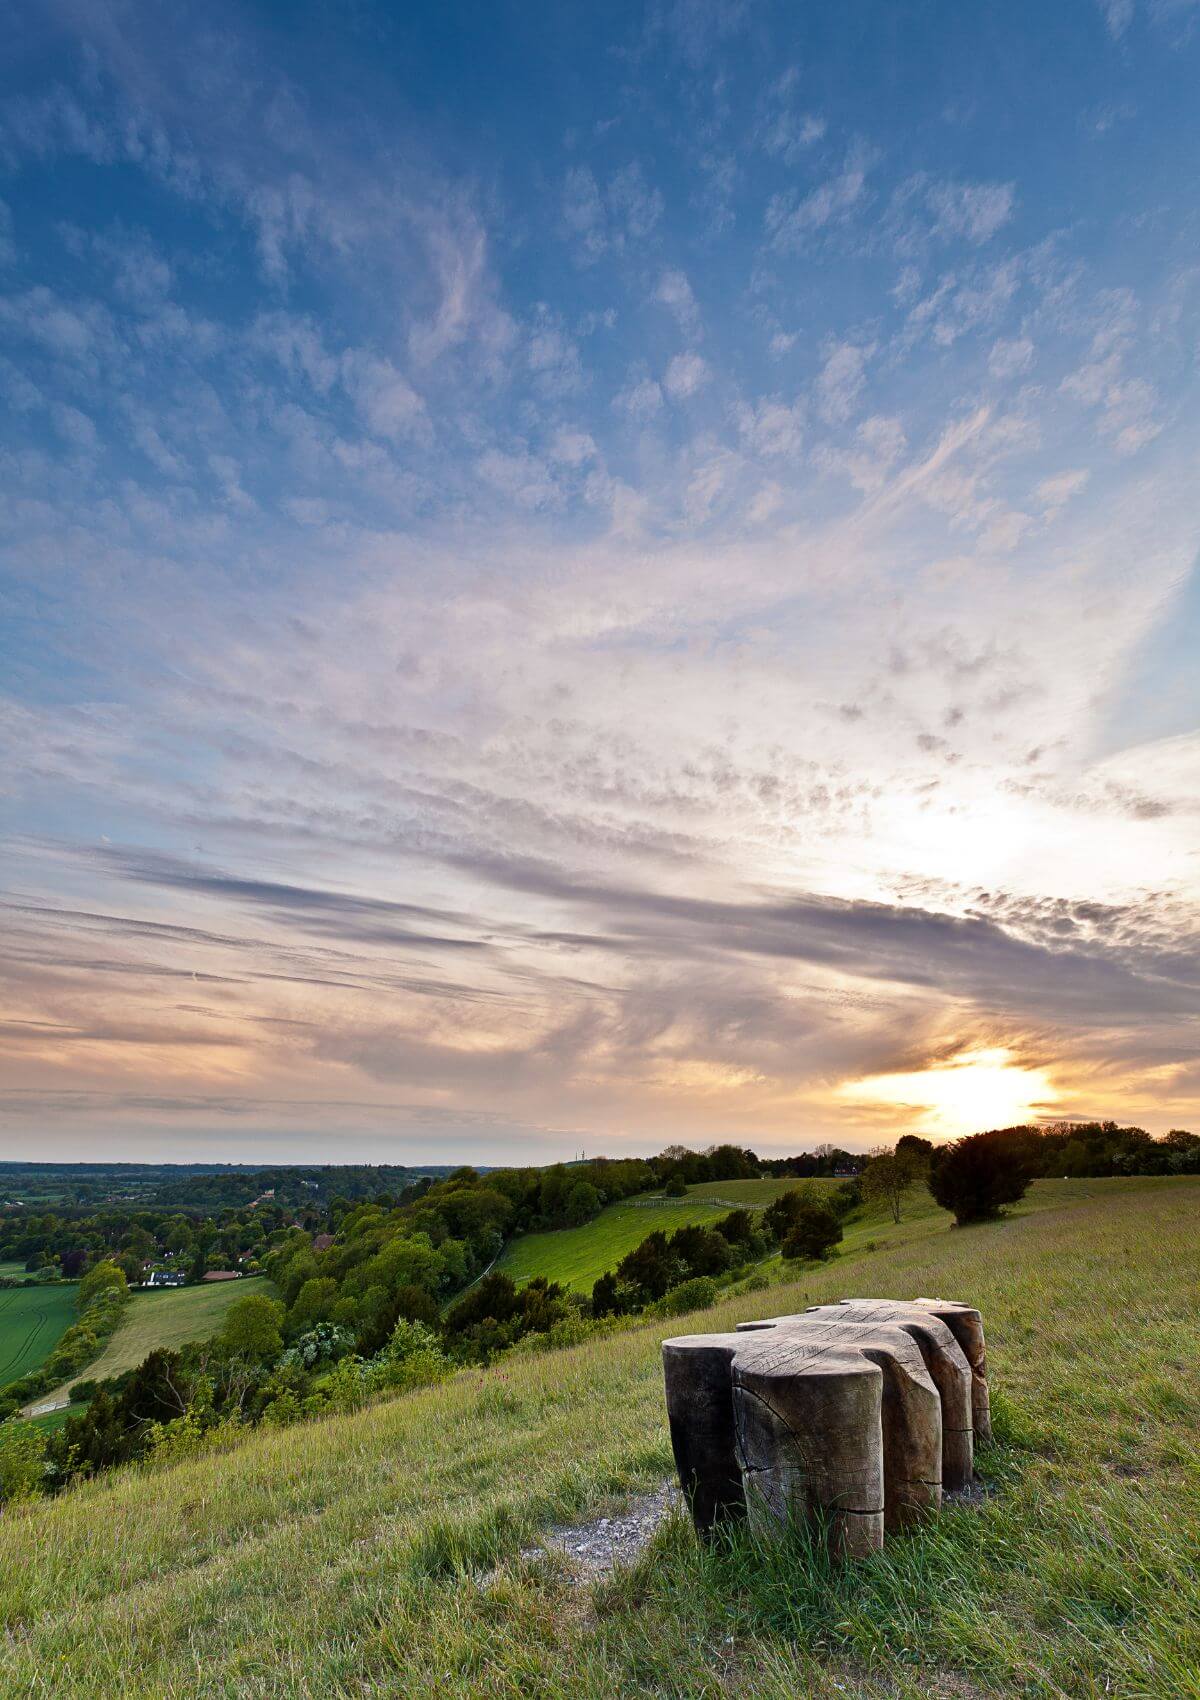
<point>32,1321</point>
<point>169,1318</point>
<point>577,1256</point>
<point>344,1558</point>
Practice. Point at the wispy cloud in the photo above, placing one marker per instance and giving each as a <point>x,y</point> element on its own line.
<point>632,626</point>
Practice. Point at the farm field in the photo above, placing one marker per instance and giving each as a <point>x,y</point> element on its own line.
<point>379,1553</point>
<point>32,1321</point>
<point>578,1256</point>
<point>169,1318</point>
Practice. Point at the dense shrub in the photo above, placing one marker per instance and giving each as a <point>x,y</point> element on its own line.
<point>22,1459</point>
<point>978,1176</point>
<point>413,1356</point>
<point>737,1229</point>
<point>813,1232</point>
<point>845,1199</point>
<point>607,1295</point>
<point>105,1277</point>
<point>697,1294</point>
<point>782,1213</point>
<point>573,1330</point>
<point>323,1344</point>
<point>496,1314</point>
<point>254,1326</point>
<point>583,1202</point>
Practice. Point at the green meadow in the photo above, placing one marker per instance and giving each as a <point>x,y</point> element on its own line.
<point>379,1554</point>
<point>578,1256</point>
<point>169,1318</point>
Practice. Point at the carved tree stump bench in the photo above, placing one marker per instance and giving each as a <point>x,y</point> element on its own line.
<point>854,1415</point>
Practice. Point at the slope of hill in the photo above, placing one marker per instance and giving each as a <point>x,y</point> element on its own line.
<point>170,1318</point>
<point>577,1256</point>
<point>32,1321</point>
<point>350,1556</point>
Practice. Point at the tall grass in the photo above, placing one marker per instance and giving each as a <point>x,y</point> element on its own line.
<point>344,1557</point>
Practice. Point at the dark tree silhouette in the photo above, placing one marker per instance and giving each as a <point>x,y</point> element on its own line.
<point>976,1177</point>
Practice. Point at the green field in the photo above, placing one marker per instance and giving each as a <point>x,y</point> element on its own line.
<point>578,1256</point>
<point>170,1318</point>
<point>32,1321</point>
<point>377,1554</point>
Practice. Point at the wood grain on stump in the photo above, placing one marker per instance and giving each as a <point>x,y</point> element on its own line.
<point>851,1417</point>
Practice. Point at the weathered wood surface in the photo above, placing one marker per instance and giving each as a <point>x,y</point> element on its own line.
<point>852,1416</point>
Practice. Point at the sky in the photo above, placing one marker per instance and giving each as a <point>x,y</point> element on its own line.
<point>579,578</point>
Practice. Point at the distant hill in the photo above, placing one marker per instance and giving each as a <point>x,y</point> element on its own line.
<point>205,1186</point>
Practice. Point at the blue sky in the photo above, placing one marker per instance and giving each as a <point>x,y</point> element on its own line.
<point>579,578</point>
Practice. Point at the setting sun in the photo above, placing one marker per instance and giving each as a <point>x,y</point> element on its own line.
<point>975,1090</point>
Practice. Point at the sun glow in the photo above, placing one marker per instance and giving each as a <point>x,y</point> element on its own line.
<point>974,1090</point>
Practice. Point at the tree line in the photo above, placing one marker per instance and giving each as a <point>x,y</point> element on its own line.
<point>362,1304</point>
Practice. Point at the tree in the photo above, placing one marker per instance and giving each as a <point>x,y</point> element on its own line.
<point>22,1455</point>
<point>886,1178</point>
<point>813,1233</point>
<point>605,1297</point>
<point>976,1177</point>
<point>583,1202</point>
<point>314,1301</point>
<point>781,1214</point>
<point>105,1277</point>
<point>254,1327</point>
<point>1183,1150</point>
<point>914,1149</point>
<point>702,1251</point>
<point>649,1267</point>
<point>736,1228</point>
<point>495,1296</point>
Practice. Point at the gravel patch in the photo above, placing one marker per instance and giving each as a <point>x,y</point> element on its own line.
<point>594,1549</point>
<point>975,1494</point>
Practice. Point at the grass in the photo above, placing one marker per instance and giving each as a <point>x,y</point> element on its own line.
<point>169,1318</point>
<point>51,1420</point>
<point>32,1321</point>
<point>344,1557</point>
<point>578,1256</point>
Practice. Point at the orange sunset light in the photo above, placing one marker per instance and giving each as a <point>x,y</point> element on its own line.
<point>976,1089</point>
